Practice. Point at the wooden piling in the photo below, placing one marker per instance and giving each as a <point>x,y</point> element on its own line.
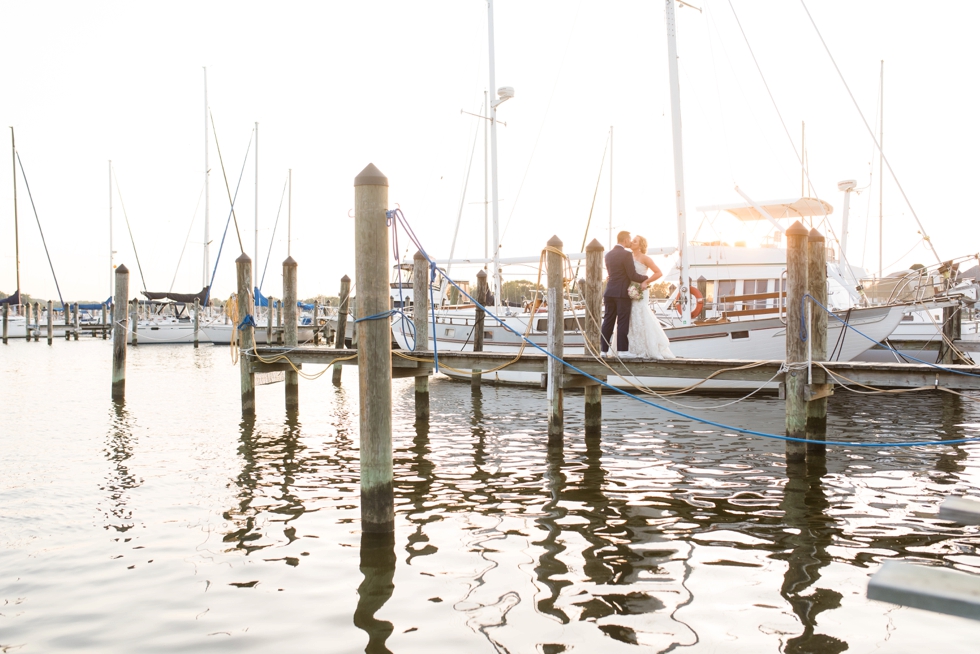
<point>50,322</point>
<point>420,320</point>
<point>593,315</point>
<point>816,408</point>
<point>796,288</point>
<point>316,323</point>
<point>279,321</point>
<point>65,309</point>
<point>75,321</point>
<point>197,322</point>
<point>374,350</point>
<point>290,336</point>
<point>105,324</point>
<point>556,340</point>
<point>120,326</point>
<point>481,297</point>
<point>6,317</point>
<point>37,321</point>
<point>246,333</point>
<point>133,317</point>
<point>340,341</point>
<point>270,308</point>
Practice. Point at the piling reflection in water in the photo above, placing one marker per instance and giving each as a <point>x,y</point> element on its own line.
<point>609,539</point>
<point>119,452</point>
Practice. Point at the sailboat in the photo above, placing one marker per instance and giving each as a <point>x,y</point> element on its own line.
<point>16,324</point>
<point>749,338</point>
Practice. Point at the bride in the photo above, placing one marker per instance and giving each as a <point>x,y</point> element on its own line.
<point>647,338</point>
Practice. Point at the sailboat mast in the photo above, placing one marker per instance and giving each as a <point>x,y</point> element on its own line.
<point>207,189</point>
<point>289,218</point>
<point>13,158</point>
<point>112,266</point>
<point>493,166</point>
<point>486,202</point>
<point>881,172</point>
<point>257,196</point>
<point>675,117</point>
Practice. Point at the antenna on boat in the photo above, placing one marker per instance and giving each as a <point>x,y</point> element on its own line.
<point>610,186</point>
<point>683,296</point>
<point>289,218</point>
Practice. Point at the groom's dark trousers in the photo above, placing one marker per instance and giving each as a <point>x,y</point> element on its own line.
<point>621,271</point>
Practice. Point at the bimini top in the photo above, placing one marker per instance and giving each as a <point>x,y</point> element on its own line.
<point>776,208</point>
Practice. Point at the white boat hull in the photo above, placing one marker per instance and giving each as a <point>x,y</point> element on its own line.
<point>753,340</point>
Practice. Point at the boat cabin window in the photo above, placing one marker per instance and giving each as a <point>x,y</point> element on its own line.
<point>755,286</point>
<point>488,335</point>
<point>450,331</point>
<point>726,287</point>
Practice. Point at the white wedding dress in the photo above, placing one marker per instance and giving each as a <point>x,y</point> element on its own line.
<point>647,337</point>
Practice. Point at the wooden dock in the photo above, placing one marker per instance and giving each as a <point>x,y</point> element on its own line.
<point>880,375</point>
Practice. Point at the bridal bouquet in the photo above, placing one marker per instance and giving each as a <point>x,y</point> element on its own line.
<point>634,292</point>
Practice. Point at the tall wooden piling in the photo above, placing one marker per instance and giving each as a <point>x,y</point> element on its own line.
<point>133,316</point>
<point>556,341</point>
<point>481,297</point>
<point>6,317</point>
<point>420,320</point>
<point>120,326</point>
<point>374,350</point>
<point>37,321</point>
<point>593,314</point>
<point>105,323</point>
<point>66,309</point>
<point>290,336</point>
<point>75,321</point>
<point>796,288</point>
<point>316,323</point>
<point>197,322</point>
<point>816,408</point>
<point>50,322</point>
<point>246,333</point>
<point>340,341</point>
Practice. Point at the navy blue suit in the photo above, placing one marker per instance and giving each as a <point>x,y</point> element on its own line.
<point>621,271</point>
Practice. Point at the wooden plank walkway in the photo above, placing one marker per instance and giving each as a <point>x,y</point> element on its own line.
<point>884,375</point>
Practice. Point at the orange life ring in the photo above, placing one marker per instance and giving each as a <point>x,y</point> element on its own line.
<point>698,306</point>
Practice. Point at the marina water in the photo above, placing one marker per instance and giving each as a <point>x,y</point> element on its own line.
<point>168,524</point>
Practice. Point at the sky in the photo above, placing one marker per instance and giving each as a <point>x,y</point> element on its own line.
<point>337,85</point>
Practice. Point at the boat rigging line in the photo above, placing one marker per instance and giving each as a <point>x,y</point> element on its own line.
<point>43,242</point>
<point>189,229</point>
<point>273,237</point>
<point>231,212</point>
<point>225,175</point>
<point>595,193</point>
<point>922,229</point>
<point>128,228</point>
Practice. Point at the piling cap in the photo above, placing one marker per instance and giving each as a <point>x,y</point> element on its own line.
<point>419,255</point>
<point>797,230</point>
<point>243,259</point>
<point>594,245</point>
<point>482,274</point>
<point>555,242</point>
<point>121,269</point>
<point>370,176</point>
<point>289,262</point>
<point>816,237</point>
<point>345,278</point>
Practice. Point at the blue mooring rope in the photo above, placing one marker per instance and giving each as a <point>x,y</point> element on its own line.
<point>741,430</point>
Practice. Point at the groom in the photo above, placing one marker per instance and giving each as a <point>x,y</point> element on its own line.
<point>622,271</point>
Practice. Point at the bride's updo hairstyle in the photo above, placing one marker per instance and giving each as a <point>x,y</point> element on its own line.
<point>642,242</point>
